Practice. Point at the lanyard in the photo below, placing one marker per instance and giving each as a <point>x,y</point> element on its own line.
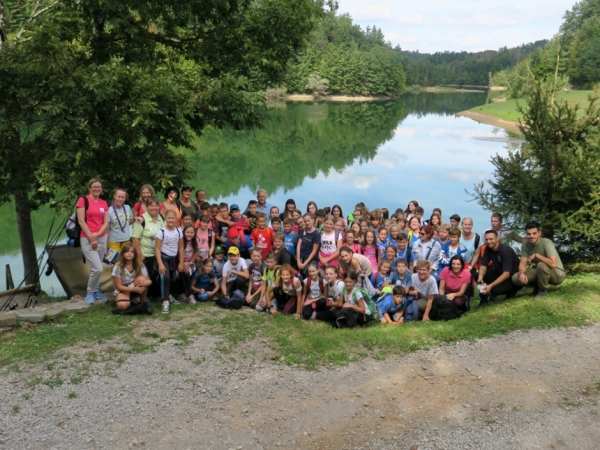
<point>117,216</point>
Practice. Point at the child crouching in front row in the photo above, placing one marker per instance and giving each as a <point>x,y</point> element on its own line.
<point>131,279</point>
<point>391,307</point>
<point>204,282</point>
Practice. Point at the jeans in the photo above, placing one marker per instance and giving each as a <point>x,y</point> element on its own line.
<point>94,259</point>
<point>202,297</point>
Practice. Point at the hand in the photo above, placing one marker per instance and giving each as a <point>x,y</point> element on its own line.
<point>450,296</point>
<point>523,278</point>
<point>486,289</point>
<point>181,268</point>
<point>248,298</point>
<point>262,303</point>
<point>532,258</point>
<point>139,289</point>
<point>201,291</point>
<point>297,315</point>
<point>161,269</point>
<point>425,318</point>
<point>347,305</point>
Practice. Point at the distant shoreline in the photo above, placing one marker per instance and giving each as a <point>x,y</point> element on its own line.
<point>331,98</point>
<point>508,125</point>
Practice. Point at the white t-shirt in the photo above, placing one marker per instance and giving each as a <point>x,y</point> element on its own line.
<point>289,289</point>
<point>228,267</point>
<point>170,241</point>
<point>328,243</point>
<point>334,291</point>
<point>354,297</point>
<point>315,288</point>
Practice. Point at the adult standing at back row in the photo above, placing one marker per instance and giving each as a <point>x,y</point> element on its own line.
<point>92,216</point>
<point>548,269</point>
<point>263,206</point>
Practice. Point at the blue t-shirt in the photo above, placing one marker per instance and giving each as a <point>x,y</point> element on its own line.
<point>307,242</point>
<point>204,281</point>
<point>403,254</point>
<point>387,305</point>
<point>290,241</point>
<point>404,282</point>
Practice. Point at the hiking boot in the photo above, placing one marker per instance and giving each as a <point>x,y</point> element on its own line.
<point>98,296</point>
<point>182,298</point>
<point>173,301</point>
<point>540,295</point>
<point>191,300</point>
<point>89,298</point>
<point>165,308</point>
<point>536,291</point>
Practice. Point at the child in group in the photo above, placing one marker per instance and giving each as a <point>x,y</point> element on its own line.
<point>401,221</point>
<point>290,237</point>
<point>186,220</point>
<point>275,224</point>
<point>214,212</point>
<point>120,218</point>
<point>391,255</point>
<point>190,255</point>
<point>130,277</point>
<point>454,248</point>
<point>169,256</point>
<point>339,227</point>
<point>455,221</point>
<point>403,250</point>
<point>273,214</point>
<point>358,236</point>
<point>395,232</point>
<point>392,304</point>
<point>299,225</point>
<point>334,285</point>
<point>401,276</point>
<point>270,274</point>
<point>382,278</point>
<point>382,242</point>
<point>251,214</point>
<point>285,294</point>
<point>222,220</point>
<point>262,236</point>
<point>309,242</point>
<point>375,220</point>
<point>352,243</point>
<point>353,310</point>
<point>370,249</point>
<point>205,238</point>
<point>331,241</point>
<point>256,270</point>
<point>205,283</point>
<point>219,262</point>
<point>319,219</point>
<point>443,236</point>
<point>364,226</point>
<point>313,294</point>
<point>235,274</point>
<point>282,255</point>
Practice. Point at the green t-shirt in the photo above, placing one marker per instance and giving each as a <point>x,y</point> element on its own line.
<point>545,248</point>
<point>147,233</point>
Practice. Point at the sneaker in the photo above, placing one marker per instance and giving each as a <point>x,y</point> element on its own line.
<point>90,299</point>
<point>191,300</point>
<point>540,295</point>
<point>173,300</point>
<point>313,316</point>
<point>182,298</point>
<point>165,308</point>
<point>98,296</point>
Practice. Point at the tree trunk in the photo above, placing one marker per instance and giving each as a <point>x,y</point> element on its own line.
<point>23,209</point>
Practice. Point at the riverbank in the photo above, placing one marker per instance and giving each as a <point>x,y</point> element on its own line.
<point>331,98</point>
<point>510,126</point>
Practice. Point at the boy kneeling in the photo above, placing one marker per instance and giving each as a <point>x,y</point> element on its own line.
<point>392,305</point>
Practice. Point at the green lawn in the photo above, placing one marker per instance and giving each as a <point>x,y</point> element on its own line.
<point>309,344</point>
<point>508,110</point>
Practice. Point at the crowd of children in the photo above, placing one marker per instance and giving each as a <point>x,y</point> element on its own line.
<point>316,264</point>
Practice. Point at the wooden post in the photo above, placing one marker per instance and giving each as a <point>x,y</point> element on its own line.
<point>10,284</point>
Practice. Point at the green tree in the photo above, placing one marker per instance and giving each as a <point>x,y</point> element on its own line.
<point>555,176</point>
<point>109,88</point>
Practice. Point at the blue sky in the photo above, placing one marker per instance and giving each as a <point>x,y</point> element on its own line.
<point>471,25</point>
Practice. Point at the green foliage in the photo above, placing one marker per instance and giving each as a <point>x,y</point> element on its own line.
<point>317,85</point>
<point>462,67</point>
<point>355,62</point>
<point>555,176</point>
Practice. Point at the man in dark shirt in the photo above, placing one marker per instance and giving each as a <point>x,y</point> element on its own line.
<point>497,277</point>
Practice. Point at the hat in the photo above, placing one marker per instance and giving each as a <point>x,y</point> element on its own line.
<point>233,207</point>
<point>233,232</point>
<point>219,249</point>
<point>233,250</point>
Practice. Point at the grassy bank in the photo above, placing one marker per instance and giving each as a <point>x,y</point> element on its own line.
<point>508,110</point>
<point>306,343</point>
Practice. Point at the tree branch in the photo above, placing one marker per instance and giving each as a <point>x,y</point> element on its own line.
<point>34,14</point>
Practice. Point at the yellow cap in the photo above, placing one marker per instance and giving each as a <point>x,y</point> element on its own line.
<point>233,250</point>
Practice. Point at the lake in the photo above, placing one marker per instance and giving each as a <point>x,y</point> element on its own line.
<point>381,153</point>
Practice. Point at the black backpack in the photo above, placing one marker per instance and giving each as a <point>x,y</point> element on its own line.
<point>230,302</point>
<point>72,226</point>
<point>443,309</point>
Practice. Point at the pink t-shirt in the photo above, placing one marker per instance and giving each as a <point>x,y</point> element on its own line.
<point>453,282</point>
<point>95,214</point>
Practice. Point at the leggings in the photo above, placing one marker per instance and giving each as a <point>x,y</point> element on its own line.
<point>185,283</point>
<point>165,280</point>
<point>94,259</point>
<point>285,303</point>
<point>317,307</point>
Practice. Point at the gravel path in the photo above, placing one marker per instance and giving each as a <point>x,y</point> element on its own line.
<point>534,390</point>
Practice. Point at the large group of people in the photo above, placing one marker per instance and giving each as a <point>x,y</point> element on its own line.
<point>315,264</point>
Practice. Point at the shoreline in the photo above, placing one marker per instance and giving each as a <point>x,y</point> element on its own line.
<point>331,98</point>
<point>508,125</point>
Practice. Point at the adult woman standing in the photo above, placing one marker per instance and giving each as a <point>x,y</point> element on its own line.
<point>426,248</point>
<point>469,239</point>
<point>186,204</point>
<point>92,216</point>
<point>143,237</point>
<point>410,209</point>
<point>454,281</point>
<point>170,203</point>
<point>146,192</point>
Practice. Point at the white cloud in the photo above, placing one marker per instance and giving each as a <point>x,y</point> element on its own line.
<point>412,19</point>
<point>405,132</point>
<point>373,12</point>
<point>466,175</point>
<point>359,181</point>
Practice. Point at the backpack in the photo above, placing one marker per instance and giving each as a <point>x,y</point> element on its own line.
<point>411,309</point>
<point>234,302</point>
<point>143,224</point>
<point>242,225</point>
<point>366,298</point>
<point>72,226</point>
<point>443,309</point>
<point>138,308</point>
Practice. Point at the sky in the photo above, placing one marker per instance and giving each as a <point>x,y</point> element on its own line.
<point>471,25</point>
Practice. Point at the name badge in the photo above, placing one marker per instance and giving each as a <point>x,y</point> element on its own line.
<point>101,209</point>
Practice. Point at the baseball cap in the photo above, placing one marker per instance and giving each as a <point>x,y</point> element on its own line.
<point>219,249</point>
<point>233,207</point>
<point>233,250</point>
<point>233,232</point>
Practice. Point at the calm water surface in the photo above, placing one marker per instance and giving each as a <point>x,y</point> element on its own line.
<point>383,154</point>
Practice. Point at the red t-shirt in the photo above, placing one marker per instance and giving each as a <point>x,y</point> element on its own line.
<point>453,282</point>
<point>263,240</point>
<point>95,214</point>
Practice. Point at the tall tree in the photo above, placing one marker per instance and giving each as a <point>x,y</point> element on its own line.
<point>110,88</point>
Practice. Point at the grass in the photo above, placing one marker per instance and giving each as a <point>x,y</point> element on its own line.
<point>508,110</point>
<point>309,344</point>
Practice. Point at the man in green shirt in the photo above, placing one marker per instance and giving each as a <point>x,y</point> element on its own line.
<point>548,269</point>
